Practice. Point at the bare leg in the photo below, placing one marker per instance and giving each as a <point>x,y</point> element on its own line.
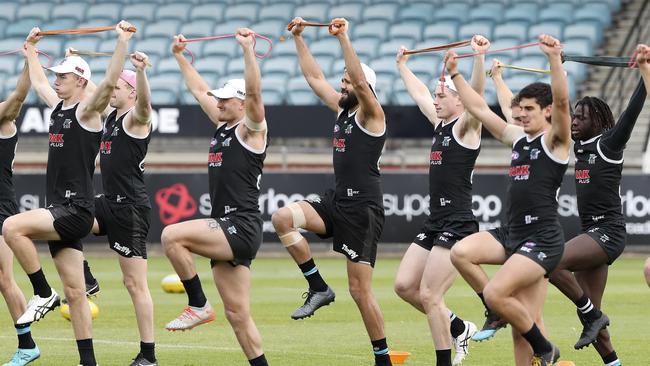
<point>409,275</point>
<point>69,264</point>
<point>134,272</point>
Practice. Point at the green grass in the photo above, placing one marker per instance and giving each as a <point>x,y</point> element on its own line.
<point>334,336</point>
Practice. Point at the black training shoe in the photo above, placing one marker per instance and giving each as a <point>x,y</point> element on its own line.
<point>590,330</point>
<point>313,301</point>
<point>493,322</point>
<point>139,360</point>
<point>548,358</point>
<point>92,288</point>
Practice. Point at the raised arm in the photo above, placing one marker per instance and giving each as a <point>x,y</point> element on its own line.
<point>480,45</point>
<point>559,139</point>
<point>253,103</point>
<point>99,99</point>
<point>475,105</point>
<point>10,108</point>
<point>416,88</point>
<point>643,60</point>
<point>619,135</point>
<point>142,111</point>
<point>504,94</point>
<point>194,82</point>
<point>371,114</point>
<point>37,75</point>
<point>310,69</point>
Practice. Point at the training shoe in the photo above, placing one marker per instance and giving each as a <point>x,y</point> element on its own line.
<point>493,322</point>
<point>313,301</point>
<point>461,343</point>
<point>548,358</point>
<point>590,330</point>
<point>92,288</point>
<point>37,307</point>
<point>139,360</point>
<point>23,356</point>
<point>192,317</point>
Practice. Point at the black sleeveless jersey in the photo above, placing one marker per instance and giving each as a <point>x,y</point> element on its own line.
<point>235,173</point>
<point>535,179</point>
<point>598,182</point>
<point>451,165</point>
<point>71,159</point>
<point>356,153</point>
<point>7,155</point>
<point>122,161</point>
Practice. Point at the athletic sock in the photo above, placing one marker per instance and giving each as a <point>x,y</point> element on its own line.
<point>480,295</point>
<point>380,349</point>
<point>611,359</point>
<point>25,340</point>
<point>587,308</point>
<point>259,361</point>
<point>457,326</point>
<point>148,351</point>
<point>39,283</point>
<point>537,341</point>
<point>443,357</point>
<point>195,295</point>
<point>311,273</point>
<point>88,276</point>
<point>86,352</point>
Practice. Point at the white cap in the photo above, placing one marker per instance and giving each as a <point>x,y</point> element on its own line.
<point>72,64</point>
<point>448,83</point>
<point>370,75</point>
<point>233,88</point>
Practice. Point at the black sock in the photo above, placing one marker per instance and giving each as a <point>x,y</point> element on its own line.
<point>25,340</point>
<point>610,358</point>
<point>86,352</point>
<point>537,341</point>
<point>309,270</point>
<point>588,310</point>
<point>380,349</point>
<point>147,350</point>
<point>457,325</point>
<point>259,361</point>
<point>443,357</point>
<point>88,276</point>
<point>39,283</point>
<point>480,295</point>
<point>195,295</point>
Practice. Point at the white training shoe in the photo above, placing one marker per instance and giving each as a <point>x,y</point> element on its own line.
<point>461,343</point>
<point>192,317</point>
<point>37,307</point>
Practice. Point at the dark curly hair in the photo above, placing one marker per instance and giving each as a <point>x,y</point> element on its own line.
<point>601,116</point>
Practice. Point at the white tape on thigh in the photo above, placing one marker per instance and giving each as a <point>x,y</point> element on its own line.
<point>298,216</point>
<point>290,238</point>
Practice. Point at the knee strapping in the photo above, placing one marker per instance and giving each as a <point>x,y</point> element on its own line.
<point>290,238</point>
<point>297,216</point>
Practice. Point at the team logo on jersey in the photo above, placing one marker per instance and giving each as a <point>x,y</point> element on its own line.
<point>226,142</point>
<point>444,201</point>
<point>580,151</point>
<point>435,158</point>
<point>222,134</point>
<point>67,122</point>
<point>69,193</point>
<point>520,172</point>
<point>528,247</point>
<point>421,236</point>
<point>316,199</point>
<point>56,139</point>
<point>529,219</point>
<point>445,141</point>
<point>215,159</point>
<point>336,128</point>
<point>604,238</point>
<point>339,145</point>
<point>534,154</point>
<point>227,209</point>
<point>514,155</point>
<point>232,230</point>
<point>592,159</point>
<point>541,256</point>
<point>349,251</point>
<point>351,192</point>
<point>105,147</point>
<point>526,147</point>
<point>115,131</point>
<point>582,176</point>
<point>213,142</point>
<point>348,129</point>
<point>443,238</point>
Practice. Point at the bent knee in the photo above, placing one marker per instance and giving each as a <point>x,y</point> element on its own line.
<point>403,288</point>
<point>236,316</point>
<point>10,228</point>
<point>169,237</point>
<point>282,220</point>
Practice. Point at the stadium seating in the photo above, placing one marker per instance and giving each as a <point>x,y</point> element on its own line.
<point>377,28</point>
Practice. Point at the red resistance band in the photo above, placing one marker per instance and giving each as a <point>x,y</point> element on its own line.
<point>255,36</point>
<point>49,58</point>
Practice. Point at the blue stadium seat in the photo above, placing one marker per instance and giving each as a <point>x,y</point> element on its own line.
<point>467,31</point>
<point>514,29</point>
<point>273,96</point>
<point>488,11</point>
<point>3,25</point>
<point>350,11</point>
<point>229,27</point>
<point>447,29</point>
<point>21,27</point>
<point>299,92</point>
<point>410,30</point>
<point>537,62</point>
<point>385,11</point>
<point>401,97</point>
<point>366,47</point>
<point>527,12</point>
<point>166,65</point>
<point>7,65</point>
<point>502,43</point>
<point>198,28</point>
<point>209,11</point>
<point>235,66</point>
<point>577,70</point>
<point>326,46</point>
<point>60,23</point>
<point>384,88</point>
<point>277,11</point>
<point>557,12</point>
<point>599,12</point>
<point>242,11</point>
<point>384,65</point>
<point>162,28</point>
<point>39,10</point>
<point>419,11</point>
<point>98,65</point>
<point>578,46</point>
<point>172,81</point>
<point>186,97</point>
<point>375,28</point>
<point>75,10</point>
<point>490,96</point>
<point>280,66</point>
<point>390,48</point>
<point>225,48</point>
<point>456,12</point>
<point>53,46</point>
<point>590,30</point>
<point>143,11</point>
<point>312,12</point>
<point>180,11</point>
<point>284,48</point>
<point>8,10</point>
<point>324,61</point>
<point>163,96</point>
<point>424,67</point>
<point>554,29</point>
<point>517,82</point>
<point>269,28</point>
<point>11,44</point>
<point>104,10</point>
<point>614,5</point>
<point>338,66</point>
<point>154,46</point>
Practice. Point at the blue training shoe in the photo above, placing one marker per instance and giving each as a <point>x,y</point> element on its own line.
<point>23,356</point>
<point>492,323</point>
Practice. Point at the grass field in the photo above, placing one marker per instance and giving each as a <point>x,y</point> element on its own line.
<point>334,336</point>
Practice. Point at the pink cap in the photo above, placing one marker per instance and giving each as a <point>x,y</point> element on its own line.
<point>129,77</point>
